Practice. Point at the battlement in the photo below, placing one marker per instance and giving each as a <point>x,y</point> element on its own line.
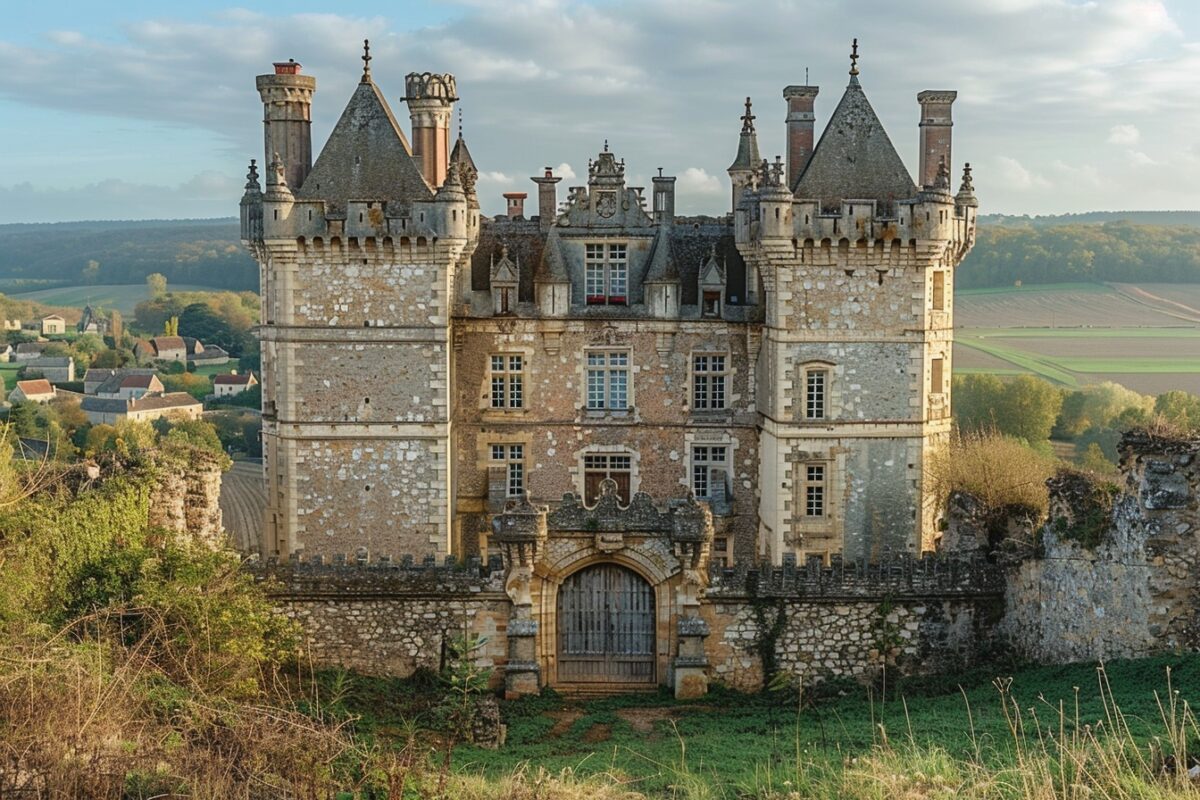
<point>359,575</point>
<point>897,576</point>
<point>430,86</point>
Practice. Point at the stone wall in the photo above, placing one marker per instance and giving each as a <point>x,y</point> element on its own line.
<point>852,620</point>
<point>390,619</point>
<point>1115,574</point>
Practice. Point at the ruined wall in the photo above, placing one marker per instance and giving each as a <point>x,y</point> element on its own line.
<point>188,500</point>
<point>1116,572</point>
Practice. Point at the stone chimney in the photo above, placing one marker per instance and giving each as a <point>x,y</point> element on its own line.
<point>800,120</point>
<point>431,97</point>
<point>664,198</point>
<point>935,133</point>
<point>514,202</point>
<point>547,198</point>
<point>287,119</point>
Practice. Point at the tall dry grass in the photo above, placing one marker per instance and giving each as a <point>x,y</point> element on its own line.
<point>996,469</point>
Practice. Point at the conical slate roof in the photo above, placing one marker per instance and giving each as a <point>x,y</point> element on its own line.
<point>747,155</point>
<point>461,155</point>
<point>552,269</point>
<point>366,157</point>
<point>854,159</point>
<point>662,263</point>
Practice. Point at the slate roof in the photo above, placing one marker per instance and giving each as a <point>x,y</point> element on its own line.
<point>366,157</point>
<point>662,262</point>
<point>855,159</point>
<point>104,405</point>
<point>169,400</point>
<point>232,380</point>
<point>461,155</point>
<point>525,243</point>
<point>50,361</point>
<point>31,347</point>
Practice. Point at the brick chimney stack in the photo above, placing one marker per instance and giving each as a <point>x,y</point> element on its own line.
<point>935,133</point>
<point>547,198</point>
<point>664,198</point>
<point>800,120</point>
<point>287,119</point>
<point>431,97</point>
<point>515,203</point>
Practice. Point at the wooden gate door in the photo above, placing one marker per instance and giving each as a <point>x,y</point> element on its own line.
<point>605,627</point>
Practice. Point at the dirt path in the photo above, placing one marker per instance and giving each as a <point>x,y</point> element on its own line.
<point>1162,305</point>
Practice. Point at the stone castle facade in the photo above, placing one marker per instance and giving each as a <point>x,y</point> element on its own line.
<point>603,389</point>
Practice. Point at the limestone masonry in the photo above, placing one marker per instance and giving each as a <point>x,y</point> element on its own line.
<point>611,398</point>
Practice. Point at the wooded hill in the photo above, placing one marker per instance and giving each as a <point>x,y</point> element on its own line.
<point>1136,246</point>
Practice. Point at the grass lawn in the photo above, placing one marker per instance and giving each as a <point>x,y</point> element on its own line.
<point>9,372</point>
<point>744,746</point>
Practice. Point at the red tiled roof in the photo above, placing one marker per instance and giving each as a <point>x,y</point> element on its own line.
<point>231,379</point>
<point>138,382</point>
<point>40,386</point>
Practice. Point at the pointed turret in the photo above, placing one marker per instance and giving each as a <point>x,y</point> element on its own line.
<point>741,171</point>
<point>460,157</point>
<point>551,283</point>
<point>251,206</point>
<point>966,192</point>
<point>662,277</point>
<point>855,159</point>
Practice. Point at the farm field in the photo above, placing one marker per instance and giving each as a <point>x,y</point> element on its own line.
<point>243,498</point>
<point>1145,337</point>
<point>121,297</point>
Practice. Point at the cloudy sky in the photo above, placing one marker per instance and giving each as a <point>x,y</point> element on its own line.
<point>139,110</point>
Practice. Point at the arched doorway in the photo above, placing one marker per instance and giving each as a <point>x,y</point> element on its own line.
<point>606,627</point>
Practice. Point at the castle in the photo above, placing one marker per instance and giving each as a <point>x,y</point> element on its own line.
<point>611,397</point>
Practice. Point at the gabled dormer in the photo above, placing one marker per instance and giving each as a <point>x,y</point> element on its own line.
<point>506,277</point>
<point>712,286</point>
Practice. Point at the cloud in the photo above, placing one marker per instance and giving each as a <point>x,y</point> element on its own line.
<point>548,81</point>
<point>1124,135</point>
<point>695,180</point>
<point>1140,159</point>
<point>1014,175</point>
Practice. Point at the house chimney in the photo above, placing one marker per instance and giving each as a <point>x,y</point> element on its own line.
<point>287,119</point>
<point>515,203</point>
<point>935,133</point>
<point>431,99</point>
<point>664,198</point>
<point>547,198</point>
<point>800,119</point>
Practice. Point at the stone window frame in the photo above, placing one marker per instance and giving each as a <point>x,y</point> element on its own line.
<point>512,456</point>
<point>506,374</point>
<point>578,470</point>
<point>817,533</point>
<point>830,396</point>
<point>501,348</point>
<point>726,462</point>
<point>608,369</point>
<point>937,290</point>
<point>937,375</point>
<point>726,374</point>
<point>814,484</point>
<point>602,258</point>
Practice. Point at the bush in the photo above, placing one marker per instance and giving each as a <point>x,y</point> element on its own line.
<point>998,470</point>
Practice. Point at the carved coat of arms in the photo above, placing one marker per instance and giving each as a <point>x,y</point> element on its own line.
<point>606,204</point>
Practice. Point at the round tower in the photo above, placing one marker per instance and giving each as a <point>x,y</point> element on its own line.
<point>287,119</point>
<point>431,97</point>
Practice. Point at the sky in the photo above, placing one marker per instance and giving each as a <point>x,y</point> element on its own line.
<point>138,110</point>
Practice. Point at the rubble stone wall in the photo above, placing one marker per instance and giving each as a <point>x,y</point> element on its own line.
<point>1118,580</point>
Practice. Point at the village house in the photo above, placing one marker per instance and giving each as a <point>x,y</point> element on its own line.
<point>129,386</point>
<point>12,324</point>
<point>27,351</point>
<point>53,324</point>
<point>233,383</point>
<point>56,369</point>
<point>6,353</point>
<point>32,391</point>
<point>149,407</point>
<point>96,376</point>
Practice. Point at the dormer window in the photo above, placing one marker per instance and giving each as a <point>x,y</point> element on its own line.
<point>711,305</point>
<point>607,274</point>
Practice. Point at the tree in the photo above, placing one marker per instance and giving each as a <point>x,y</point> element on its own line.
<point>151,316</point>
<point>91,272</point>
<point>112,359</point>
<point>200,321</point>
<point>1028,408</point>
<point>974,400</point>
<point>1097,405</point>
<point>171,327</point>
<point>156,282</point>
<point>1179,408</point>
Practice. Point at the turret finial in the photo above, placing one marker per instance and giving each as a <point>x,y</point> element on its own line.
<point>748,119</point>
<point>967,184</point>
<point>366,59</point>
<point>606,145</point>
<point>252,176</point>
<point>460,120</point>
<point>854,58</point>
